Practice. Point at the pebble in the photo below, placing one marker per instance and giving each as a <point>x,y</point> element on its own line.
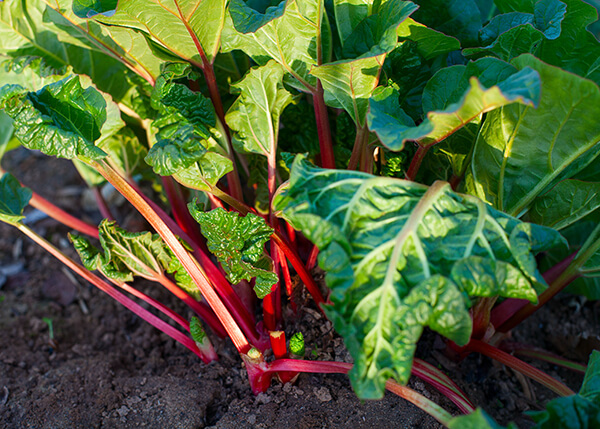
<point>322,394</point>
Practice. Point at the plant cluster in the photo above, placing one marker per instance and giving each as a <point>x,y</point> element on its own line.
<point>439,160</point>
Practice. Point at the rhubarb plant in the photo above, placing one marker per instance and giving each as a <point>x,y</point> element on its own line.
<point>438,160</point>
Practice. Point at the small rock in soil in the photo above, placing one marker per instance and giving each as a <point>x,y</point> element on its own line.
<point>59,289</point>
<point>323,394</point>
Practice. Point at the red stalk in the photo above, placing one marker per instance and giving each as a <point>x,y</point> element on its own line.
<point>443,384</point>
<point>415,163</point>
<point>343,368</point>
<point>190,264</point>
<point>305,276</point>
<point>101,202</point>
<point>115,294</point>
<point>323,129</point>
<point>222,286</point>
<point>62,216</point>
<point>312,258</point>
<point>520,366</point>
<point>180,212</point>
<point>536,353</point>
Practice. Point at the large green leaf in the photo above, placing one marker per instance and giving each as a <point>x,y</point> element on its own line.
<point>453,97</point>
<point>64,119</point>
<point>376,34</point>
<point>254,116</point>
<point>430,43</point>
<point>511,34</point>
<point>518,156</point>
<point>176,25</point>
<point>13,199</point>
<point>458,18</point>
<point>400,256</point>
<point>576,50</point>
<point>129,47</point>
<point>565,203</point>
<point>287,33</point>
<point>238,243</point>
<point>47,35</point>
<point>348,84</point>
<point>581,411</point>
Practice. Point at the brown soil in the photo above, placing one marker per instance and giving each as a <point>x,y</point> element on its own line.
<point>107,368</point>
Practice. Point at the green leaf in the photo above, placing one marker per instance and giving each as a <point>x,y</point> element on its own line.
<point>175,25</point>
<point>13,199</point>
<point>400,256</point>
<point>348,84</point>
<point>126,254</point>
<point>579,411</point>
<point>576,50</point>
<point>238,243</point>
<point>254,116</point>
<point>286,33</point>
<point>126,153</point>
<point>197,331</point>
<point>377,33</point>
<point>510,44</point>
<point>457,18</point>
<point>430,43</point>
<point>478,419</point>
<point>62,119</point>
<point>297,344</point>
<point>517,156</point>
<point>58,42</point>
<point>565,203</point>
<point>184,146</point>
<point>453,97</point>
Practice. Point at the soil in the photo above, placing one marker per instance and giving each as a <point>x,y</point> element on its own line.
<point>105,368</point>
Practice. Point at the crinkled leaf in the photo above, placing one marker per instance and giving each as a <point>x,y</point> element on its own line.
<point>386,244</point>
<point>376,34</point>
<point>517,156</point>
<point>62,119</point>
<point>286,33</point>
<point>206,172</point>
<point>176,25</point>
<point>127,254</point>
<point>457,18</point>
<point>478,419</point>
<point>238,243</point>
<point>452,98</point>
<point>430,43</point>
<point>177,147</point>
<point>126,153</point>
<point>348,84</point>
<point>13,199</point>
<point>197,331</point>
<point>254,116</point>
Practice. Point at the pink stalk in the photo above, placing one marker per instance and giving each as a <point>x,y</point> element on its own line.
<point>536,353</point>
<point>62,216</point>
<point>323,129</point>
<point>322,367</point>
<point>101,202</point>
<point>415,163</point>
<point>192,267</point>
<point>520,366</point>
<point>115,294</point>
<point>443,384</point>
<point>222,286</point>
<point>508,308</point>
<point>180,212</point>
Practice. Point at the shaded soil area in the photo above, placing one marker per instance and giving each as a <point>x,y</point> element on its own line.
<point>103,367</point>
